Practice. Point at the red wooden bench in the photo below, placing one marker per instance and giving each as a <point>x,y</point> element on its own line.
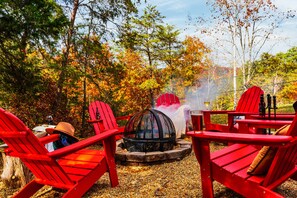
<point>101,113</point>
<point>229,165</point>
<point>73,168</point>
<point>248,104</point>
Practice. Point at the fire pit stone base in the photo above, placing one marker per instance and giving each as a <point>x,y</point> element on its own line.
<point>182,149</point>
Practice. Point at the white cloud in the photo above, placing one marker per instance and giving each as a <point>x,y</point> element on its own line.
<point>285,5</point>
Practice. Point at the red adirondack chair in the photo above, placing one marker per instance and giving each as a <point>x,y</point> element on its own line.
<point>103,118</point>
<point>168,99</point>
<point>248,104</point>
<point>229,165</point>
<point>72,168</point>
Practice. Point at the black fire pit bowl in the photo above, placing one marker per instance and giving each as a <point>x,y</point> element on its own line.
<point>148,131</point>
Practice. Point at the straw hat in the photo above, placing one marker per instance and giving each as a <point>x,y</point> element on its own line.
<point>63,127</point>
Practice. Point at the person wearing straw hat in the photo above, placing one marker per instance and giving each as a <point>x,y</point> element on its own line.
<point>66,131</point>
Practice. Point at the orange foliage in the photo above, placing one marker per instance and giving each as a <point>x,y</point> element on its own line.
<point>189,67</point>
<point>130,91</point>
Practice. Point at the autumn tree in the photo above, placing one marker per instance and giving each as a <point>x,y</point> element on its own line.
<point>270,66</point>
<point>85,17</point>
<point>171,49</point>
<point>26,28</point>
<point>289,60</point>
<point>154,41</point>
<point>277,74</point>
<point>196,74</point>
<point>192,62</point>
<point>242,29</point>
<point>131,90</point>
<point>98,67</point>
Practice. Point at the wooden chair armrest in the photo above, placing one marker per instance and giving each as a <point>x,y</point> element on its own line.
<point>123,117</point>
<point>43,140</point>
<point>82,144</point>
<point>94,121</point>
<point>49,138</point>
<point>210,125</point>
<point>216,111</point>
<point>270,124</point>
<point>242,113</point>
<point>254,139</point>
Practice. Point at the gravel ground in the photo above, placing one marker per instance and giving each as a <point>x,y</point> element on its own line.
<point>175,179</point>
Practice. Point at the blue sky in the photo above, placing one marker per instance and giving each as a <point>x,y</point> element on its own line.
<point>177,12</point>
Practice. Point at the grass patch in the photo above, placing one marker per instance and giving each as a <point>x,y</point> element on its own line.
<point>285,109</point>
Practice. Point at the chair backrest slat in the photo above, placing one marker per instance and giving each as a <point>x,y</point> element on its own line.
<point>249,100</point>
<point>167,99</point>
<point>106,114</point>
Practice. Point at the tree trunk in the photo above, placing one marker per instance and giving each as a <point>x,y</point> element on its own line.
<point>63,74</point>
<point>15,174</point>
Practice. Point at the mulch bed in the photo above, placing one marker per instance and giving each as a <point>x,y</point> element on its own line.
<point>175,179</point>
